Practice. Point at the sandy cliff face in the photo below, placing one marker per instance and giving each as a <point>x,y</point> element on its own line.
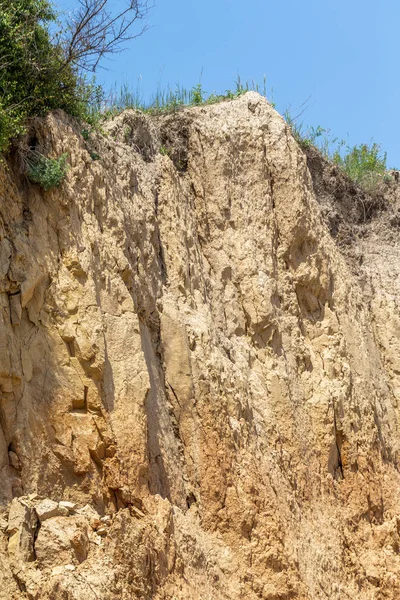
<point>189,364</point>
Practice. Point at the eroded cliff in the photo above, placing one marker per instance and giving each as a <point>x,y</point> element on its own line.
<point>192,365</point>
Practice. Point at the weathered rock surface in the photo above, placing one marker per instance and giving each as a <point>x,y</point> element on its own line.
<point>185,349</point>
<point>47,509</point>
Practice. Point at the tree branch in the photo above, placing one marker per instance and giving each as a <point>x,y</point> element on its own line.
<point>94,31</point>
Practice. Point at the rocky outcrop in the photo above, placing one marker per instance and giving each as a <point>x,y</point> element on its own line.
<point>199,389</point>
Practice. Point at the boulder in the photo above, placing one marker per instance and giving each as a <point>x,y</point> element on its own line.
<point>61,541</point>
<point>46,509</point>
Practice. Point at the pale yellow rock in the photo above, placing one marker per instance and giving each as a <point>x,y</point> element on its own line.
<point>21,529</point>
<point>185,348</point>
<point>69,506</point>
<point>46,509</point>
<point>62,511</point>
<point>62,540</point>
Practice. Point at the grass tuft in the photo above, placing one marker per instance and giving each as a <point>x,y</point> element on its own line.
<point>364,164</point>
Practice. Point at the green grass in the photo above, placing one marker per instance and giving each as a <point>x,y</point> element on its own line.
<point>365,164</point>
<point>167,100</point>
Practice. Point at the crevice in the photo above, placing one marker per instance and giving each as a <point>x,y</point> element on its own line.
<point>338,443</point>
<point>35,536</point>
<point>71,347</point>
<point>85,396</point>
<point>20,584</point>
<point>15,308</point>
<point>190,499</point>
<point>174,393</point>
<point>80,405</point>
<point>97,461</point>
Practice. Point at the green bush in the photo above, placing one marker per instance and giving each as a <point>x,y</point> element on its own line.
<point>34,75</point>
<point>47,172</point>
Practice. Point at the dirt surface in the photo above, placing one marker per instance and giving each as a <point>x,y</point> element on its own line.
<point>199,367</point>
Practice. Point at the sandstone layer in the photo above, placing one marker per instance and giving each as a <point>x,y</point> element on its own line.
<point>199,387</point>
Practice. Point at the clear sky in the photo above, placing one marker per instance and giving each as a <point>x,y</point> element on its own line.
<point>341,54</point>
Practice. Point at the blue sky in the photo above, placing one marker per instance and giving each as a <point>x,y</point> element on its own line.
<point>341,55</point>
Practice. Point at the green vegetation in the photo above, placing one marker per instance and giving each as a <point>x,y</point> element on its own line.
<point>43,60</point>
<point>41,71</point>
<point>47,172</point>
<point>365,164</point>
<point>168,100</point>
<point>85,134</point>
<point>34,77</point>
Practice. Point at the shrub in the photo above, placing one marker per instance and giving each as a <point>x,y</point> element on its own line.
<point>47,172</point>
<point>33,76</point>
<point>42,60</point>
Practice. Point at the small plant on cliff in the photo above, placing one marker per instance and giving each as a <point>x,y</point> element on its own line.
<point>47,172</point>
<point>364,164</point>
<point>197,95</point>
<point>164,151</point>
